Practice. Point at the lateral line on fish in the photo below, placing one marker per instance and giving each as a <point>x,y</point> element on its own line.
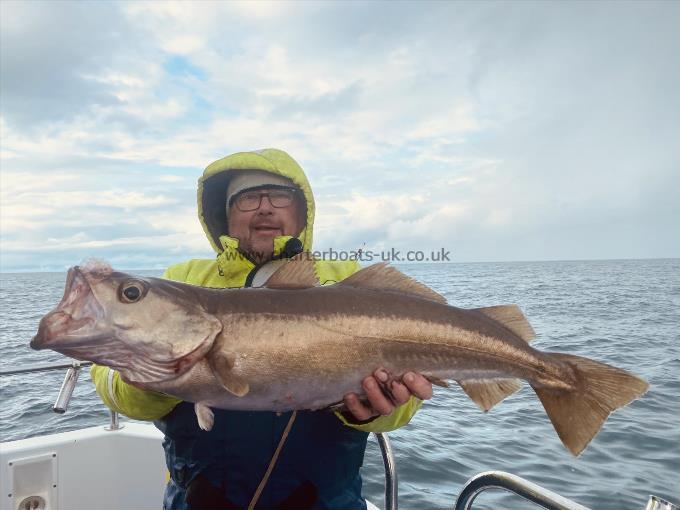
<point>519,361</point>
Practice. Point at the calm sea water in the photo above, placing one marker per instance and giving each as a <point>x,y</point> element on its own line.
<point>621,312</point>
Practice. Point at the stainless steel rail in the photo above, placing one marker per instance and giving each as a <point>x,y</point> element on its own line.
<point>512,483</point>
<point>66,391</point>
<point>391,492</point>
<point>26,369</point>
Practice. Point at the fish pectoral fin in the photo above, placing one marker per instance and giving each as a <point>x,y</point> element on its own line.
<point>222,365</point>
<point>486,393</point>
<point>510,317</point>
<point>600,389</point>
<point>383,277</point>
<point>205,416</point>
<point>298,273</point>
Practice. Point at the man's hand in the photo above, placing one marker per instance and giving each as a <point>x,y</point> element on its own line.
<point>384,394</point>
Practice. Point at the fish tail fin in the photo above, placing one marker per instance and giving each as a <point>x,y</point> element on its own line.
<point>578,414</point>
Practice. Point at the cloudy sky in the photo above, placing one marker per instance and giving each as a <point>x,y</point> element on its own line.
<point>498,131</point>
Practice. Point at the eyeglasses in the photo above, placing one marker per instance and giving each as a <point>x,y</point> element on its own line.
<point>251,200</point>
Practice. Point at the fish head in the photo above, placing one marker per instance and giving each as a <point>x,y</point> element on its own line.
<point>149,329</point>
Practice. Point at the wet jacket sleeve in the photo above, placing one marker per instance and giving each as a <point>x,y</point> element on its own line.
<point>127,399</point>
<point>399,417</point>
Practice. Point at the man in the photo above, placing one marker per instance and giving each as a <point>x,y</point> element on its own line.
<point>257,210</point>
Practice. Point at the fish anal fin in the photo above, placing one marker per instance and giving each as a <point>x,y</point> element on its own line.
<point>436,381</point>
<point>298,273</point>
<point>222,365</point>
<point>383,277</point>
<point>512,318</point>
<point>579,414</point>
<point>486,393</point>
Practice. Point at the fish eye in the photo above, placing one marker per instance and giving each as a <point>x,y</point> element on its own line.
<point>131,291</point>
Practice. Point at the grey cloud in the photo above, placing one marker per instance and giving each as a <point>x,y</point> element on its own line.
<point>50,52</point>
<point>97,173</point>
<point>330,105</point>
<point>584,107</point>
<point>142,256</point>
<point>337,29</point>
<point>65,239</point>
<point>102,229</point>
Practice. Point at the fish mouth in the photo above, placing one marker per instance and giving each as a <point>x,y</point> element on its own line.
<point>74,322</point>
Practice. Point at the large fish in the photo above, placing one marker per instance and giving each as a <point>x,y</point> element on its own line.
<point>296,345</point>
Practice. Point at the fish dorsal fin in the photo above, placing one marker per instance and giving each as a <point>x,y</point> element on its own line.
<point>265,271</point>
<point>512,318</point>
<point>298,273</point>
<point>383,277</point>
<point>486,393</point>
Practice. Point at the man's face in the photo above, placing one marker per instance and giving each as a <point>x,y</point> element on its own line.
<point>257,229</point>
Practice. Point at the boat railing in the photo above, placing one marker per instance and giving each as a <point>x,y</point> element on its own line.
<point>530,491</point>
<point>74,367</point>
<point>512,483</point>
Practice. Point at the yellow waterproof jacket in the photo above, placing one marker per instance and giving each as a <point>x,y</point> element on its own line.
<point>230,269</point>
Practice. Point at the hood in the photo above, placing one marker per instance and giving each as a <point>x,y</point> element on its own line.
<point>212,190</point>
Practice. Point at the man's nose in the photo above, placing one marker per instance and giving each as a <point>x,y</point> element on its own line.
<point>266,206</point>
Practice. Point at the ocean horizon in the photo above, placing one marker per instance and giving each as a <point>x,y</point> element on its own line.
<point>160,267</point>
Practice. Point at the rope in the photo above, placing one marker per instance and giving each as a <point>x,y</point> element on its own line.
<point>272,462</point>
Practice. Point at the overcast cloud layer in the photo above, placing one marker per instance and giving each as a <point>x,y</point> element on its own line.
<point>499,131</point>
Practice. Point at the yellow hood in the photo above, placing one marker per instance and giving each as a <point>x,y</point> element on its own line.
<point>212,191</point>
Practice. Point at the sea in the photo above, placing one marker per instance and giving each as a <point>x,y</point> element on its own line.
<point>622,312</point>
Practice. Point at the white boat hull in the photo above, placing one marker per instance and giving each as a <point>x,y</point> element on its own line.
<point>85,469</point>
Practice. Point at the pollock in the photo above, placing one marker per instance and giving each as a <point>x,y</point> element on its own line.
<point>294,344</point>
